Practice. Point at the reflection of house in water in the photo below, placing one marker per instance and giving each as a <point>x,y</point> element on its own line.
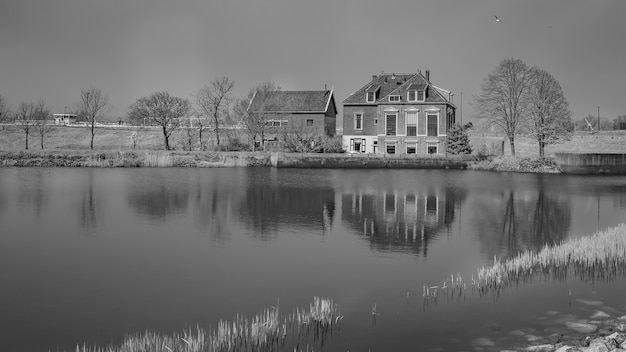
<point>267,207</point>
<point>401,220</point>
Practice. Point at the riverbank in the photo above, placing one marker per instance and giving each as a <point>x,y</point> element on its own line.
<point>151,158</point>
<point>517,164</point>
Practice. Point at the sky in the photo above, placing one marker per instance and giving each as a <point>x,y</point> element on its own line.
<point>53,49</point>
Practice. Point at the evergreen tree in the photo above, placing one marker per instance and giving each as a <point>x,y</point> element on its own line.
<point>457,140</point>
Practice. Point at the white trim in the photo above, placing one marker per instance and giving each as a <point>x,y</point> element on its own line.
<point>354,120</point>
<point>406,120</point>
<point>423,95</point>
<point>408,95</point>
<point>433,109</point>
<point>412,108</point>
<point>394,96</point>
<point>330,96</point>
<point>390,112</point>
<point>432,112</point>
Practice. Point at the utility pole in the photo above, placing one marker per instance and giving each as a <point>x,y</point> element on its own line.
<point>599,125</point>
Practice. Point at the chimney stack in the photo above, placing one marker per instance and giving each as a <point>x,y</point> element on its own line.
<point>428,75</point>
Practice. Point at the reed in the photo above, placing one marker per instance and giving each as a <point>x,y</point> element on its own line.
<point>599,257</point>
<point>156,159</point>
<point>266,331</point>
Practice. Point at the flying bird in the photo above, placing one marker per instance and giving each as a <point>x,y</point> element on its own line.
<point>497,19</point>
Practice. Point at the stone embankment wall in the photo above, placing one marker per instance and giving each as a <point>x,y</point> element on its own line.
<point>373,161</point>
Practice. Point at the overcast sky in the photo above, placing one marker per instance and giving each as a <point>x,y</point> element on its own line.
<point>131,48</point>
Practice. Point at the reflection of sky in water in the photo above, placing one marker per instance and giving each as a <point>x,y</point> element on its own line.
<point>91,254</point>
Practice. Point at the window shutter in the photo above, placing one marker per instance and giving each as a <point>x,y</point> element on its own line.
<point>363,146</point>
<point>352,144</point>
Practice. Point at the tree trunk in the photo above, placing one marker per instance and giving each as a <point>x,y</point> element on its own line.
<point>166,138</point>
<point>93,133</point>
<point>541,149</point>
<point>42,136</point>
<point>27,139</point>
<point>512,143</point>
<point>200,138</point>
<point>217,132</point>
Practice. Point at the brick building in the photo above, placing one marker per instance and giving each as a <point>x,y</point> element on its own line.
<point>398,114</point>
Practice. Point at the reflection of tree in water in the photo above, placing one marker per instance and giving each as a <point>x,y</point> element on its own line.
<point>406,220</point>
<point>215,205</point>
<point>266,207</point>
<point>32,192</point>
<point>159,202</point>
<point>513,222</point>
<point>88,205</point>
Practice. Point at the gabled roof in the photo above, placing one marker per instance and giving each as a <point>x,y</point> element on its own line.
<point>294,101</point>
<point>397,84</point>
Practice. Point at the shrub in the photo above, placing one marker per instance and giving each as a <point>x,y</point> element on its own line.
<point>457,140</point>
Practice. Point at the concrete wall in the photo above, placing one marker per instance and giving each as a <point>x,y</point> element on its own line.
<point>591,163</point>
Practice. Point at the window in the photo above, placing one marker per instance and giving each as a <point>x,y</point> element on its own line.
<point>376,121</point>
<point>412,95</point>
<point>375,146</point>
<point>420,95</point>
<point>358,121</point>
<point>411,123</point>
<point>309,122</point>
<point>391,148</point>
<point>432,148</point>
<point>357,145</point>
<point>371,96</point>
<point>391,124</point>
<point>394,98</point>
<point>411,148</point>
<point>431,205</point>
<point>433,122</point>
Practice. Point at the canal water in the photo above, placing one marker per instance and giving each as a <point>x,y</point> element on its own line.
<point>88,256</point>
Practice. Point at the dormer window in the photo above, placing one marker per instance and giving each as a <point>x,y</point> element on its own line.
<point>420,95</point>
<point>393,98</point>
<point>412,95</point>
<point>371,97</point>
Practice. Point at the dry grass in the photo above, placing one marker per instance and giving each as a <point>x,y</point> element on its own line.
<point>264,332</point>
<point>77,138</point>
<point>600,257</point>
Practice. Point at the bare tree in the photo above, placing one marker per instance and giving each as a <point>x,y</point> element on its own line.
<point>550,117</point>
<point>94,105</point>
<point>24,116</point>
<point>503,100</point>
<point>6,114</point>
<point>213,101</point>
<point>40,121</point>
<point>254,117</point>
<point>161,109</point>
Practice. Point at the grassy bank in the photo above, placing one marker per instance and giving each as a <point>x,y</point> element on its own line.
<point>142,158</point>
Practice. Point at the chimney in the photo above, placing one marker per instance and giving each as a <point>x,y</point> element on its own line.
<point>428,75</point>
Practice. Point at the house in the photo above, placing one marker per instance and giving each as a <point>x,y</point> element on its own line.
<point>398,114</point>
<point>291,111</point>
<point>64,119</point>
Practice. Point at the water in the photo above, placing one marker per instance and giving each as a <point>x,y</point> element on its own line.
<point>90,255</point>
